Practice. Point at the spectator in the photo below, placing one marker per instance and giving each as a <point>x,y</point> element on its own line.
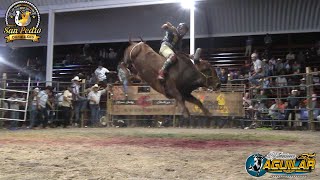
<point>51,108</point>
<point>302,87</point>
<point>258,69</point>
<point>314,99</point>
<point>123,75</point>
<point>14,103</point>
<point>293,104</point>
<point>85,50</point>
<point>265,66</point>
<point>92,79</point>
<point>112,57</point>
<point>100,73</point>
<point>246,67</point>
<point>290,56</point>
<point>301,57</point>
<point>268,41</point>
<point>42,105</point>
<point>274,110</point>
<point>271,70</point>
<point>247,104</point>
<point>281,80</point>
<point>266,83</point>
<point>287,67</point>
<point>316,79</point>
<point>296,66</point>
<point>112,54</point>
<point>249,43</point>
<point>67,106</point>
<point>279,66</point>
<point>79,102</point>
<point>94,101</point>
<point>272,61</point>
<point>223,76</point>
<point>295,78</point>
<point>33,107</point>
<point>260,103</point>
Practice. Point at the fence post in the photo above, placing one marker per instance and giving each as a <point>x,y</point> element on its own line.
<point>309,98</point>
<point>3,96</point>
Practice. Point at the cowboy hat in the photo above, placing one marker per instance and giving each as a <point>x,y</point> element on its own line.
<point>95,86</point>
<point>36,89</point>
<point>76,78</point>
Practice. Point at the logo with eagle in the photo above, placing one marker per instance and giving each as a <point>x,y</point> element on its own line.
<point>22,22</point>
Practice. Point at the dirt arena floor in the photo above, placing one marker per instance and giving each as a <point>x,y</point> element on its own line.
<point>143,153</point>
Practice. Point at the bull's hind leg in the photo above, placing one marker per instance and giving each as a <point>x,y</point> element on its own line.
<point>190,98</point>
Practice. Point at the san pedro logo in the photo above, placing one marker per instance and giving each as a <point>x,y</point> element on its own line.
<point>22,22</point>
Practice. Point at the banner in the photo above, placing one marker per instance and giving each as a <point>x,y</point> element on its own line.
<point>154,103</point>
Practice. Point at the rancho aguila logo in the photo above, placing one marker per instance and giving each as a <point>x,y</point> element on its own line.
<point>22,22</point>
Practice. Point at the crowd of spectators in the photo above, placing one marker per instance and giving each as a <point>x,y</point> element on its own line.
<point>283,97</point>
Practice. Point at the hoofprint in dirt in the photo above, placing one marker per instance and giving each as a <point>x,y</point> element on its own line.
<point>140,153</point>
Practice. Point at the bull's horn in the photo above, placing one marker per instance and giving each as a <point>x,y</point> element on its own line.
<point>141,39</point>
<point>130,39</point>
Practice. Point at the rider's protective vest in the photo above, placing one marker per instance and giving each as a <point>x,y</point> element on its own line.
<point>173,40</point>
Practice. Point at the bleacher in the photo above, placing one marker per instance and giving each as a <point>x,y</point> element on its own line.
<point>234,58</point>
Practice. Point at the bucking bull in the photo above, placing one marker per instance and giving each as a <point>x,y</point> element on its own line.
<point>183,76</point>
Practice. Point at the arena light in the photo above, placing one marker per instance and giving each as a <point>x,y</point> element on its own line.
<point>187,4</point>
<point>190,4</point>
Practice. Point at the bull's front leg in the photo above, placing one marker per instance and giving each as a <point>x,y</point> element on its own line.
<point>190,98</point>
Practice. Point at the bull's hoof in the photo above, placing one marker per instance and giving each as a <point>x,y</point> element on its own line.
<point>186,115</point>
<point>207,113</point>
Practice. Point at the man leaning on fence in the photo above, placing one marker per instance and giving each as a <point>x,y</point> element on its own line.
<point>258,70</point>
<point>33,107</point>
<point>293,104</point>
<point>79,102</point>
<point>42,105</point>
<point>94,103</point>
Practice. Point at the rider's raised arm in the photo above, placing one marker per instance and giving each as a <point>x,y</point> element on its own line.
<point>168,27</point>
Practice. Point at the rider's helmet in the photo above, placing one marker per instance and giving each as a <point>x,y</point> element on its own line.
<point>182,29</point>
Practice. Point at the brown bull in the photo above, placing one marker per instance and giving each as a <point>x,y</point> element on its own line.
<point>183,76</point>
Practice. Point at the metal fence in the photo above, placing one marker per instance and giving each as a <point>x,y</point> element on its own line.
<point>305,113</point>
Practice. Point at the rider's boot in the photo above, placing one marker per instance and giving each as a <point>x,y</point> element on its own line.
<point>165,67</point>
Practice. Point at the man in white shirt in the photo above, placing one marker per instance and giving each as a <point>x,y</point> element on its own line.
<point>42,103</point>
<point>290,56</point>
<point>94,101</point>
<point>258,69</point>
<point>100,73</point>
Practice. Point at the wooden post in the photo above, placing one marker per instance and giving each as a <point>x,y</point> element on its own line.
<point>81,110</point>
<point>109,109</point>
<point>309,98</point>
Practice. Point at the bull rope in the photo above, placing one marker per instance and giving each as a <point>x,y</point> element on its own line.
<point>133,49</point>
